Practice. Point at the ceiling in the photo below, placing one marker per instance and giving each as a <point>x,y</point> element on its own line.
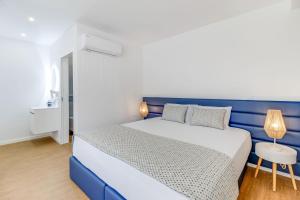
<point>140,21</point>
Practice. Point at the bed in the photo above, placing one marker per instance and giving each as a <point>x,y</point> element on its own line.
<point>132,184</point>
<point>102,176</point>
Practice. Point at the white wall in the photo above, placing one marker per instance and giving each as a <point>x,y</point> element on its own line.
<point>108,88</point>
<point>253,56</point>
<point>65,45</point>
<point>295,4</point>
<point>24,70</point>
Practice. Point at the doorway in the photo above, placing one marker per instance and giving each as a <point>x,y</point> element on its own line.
<point>67,108</point>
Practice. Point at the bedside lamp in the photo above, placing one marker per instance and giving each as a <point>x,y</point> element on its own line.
<point>144,109</point>
<point>274,125</point>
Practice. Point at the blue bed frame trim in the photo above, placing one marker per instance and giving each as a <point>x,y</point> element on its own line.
<point>249,115</point>
<point>90,183</point>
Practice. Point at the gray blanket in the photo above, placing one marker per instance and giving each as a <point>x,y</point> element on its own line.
<point>193,170</point>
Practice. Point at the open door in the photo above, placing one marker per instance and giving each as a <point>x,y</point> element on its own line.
<point>67,97</point>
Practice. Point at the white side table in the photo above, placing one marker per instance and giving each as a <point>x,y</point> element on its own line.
<point>277,154</point>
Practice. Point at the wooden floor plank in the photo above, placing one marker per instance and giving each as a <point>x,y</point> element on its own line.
<point>39,170</point>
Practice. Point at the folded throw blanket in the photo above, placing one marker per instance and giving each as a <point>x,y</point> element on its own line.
<point>195,171</point>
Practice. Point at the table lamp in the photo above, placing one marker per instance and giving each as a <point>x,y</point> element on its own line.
<point>144,109</point>
<point>274,125</point>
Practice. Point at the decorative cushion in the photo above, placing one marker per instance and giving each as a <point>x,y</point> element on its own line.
<point>189,113</point>
<point>227,115</point>
<point>208,117</point>
<point>191,108</point>
<point>174,112</point>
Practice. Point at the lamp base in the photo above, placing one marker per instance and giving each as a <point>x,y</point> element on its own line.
<point>275,146</point>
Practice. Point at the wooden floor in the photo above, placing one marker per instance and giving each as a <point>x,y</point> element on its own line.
<point>36,170</point>
<point>39,170</point>
<point>261,187</point>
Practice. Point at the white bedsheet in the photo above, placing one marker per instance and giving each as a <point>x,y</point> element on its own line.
<point>133,184</point>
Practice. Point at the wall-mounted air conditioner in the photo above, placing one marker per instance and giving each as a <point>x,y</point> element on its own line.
<point>100,45</point>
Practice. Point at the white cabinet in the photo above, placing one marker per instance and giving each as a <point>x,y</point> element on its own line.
<point>44,119</point>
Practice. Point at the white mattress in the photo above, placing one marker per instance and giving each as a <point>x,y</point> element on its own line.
<point>133,184</point>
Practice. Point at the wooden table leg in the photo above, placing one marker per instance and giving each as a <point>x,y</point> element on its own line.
<point>292,177</point>
<point>257,167</point>
<point>274,169</point>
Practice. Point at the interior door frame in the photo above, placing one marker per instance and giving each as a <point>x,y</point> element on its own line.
<point>64,100</point>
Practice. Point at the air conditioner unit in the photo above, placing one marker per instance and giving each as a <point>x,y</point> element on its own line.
<point>100,45</point>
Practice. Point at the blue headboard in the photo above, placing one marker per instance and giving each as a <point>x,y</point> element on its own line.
<point>249,115</point>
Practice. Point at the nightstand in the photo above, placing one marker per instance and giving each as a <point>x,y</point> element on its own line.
<point>277,154</point>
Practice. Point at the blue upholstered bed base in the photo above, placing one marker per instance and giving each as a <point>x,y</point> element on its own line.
<point>97,189</point>
<point>90,184</point>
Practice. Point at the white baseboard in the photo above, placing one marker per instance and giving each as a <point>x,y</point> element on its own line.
<point>270,170</point>
<point>27,138</point>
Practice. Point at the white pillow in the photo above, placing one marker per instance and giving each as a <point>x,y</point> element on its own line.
<point>209,117</point>
<point>189,113</point>
<point>226,119</point>
<point>227,115</point>
<point>174,112</point>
